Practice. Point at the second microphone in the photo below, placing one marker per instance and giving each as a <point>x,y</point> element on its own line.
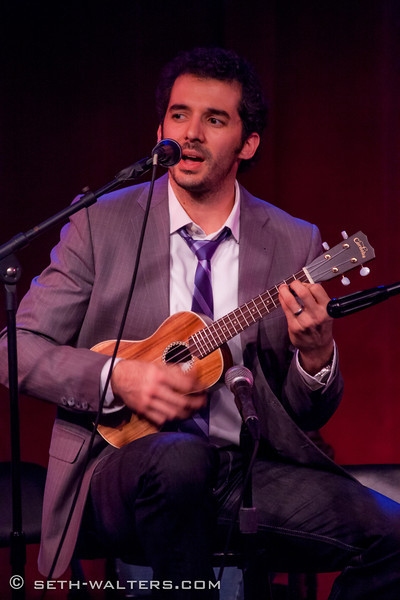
<point>239,381</point>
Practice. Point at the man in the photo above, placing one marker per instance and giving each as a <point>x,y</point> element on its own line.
<point>159,495</point>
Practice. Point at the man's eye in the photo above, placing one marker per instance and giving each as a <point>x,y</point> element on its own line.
<point>215,121</point>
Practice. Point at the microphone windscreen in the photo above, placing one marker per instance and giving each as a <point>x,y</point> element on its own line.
<point>168,152</point>
<point>238,372</point>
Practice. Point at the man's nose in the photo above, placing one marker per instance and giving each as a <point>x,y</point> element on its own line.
<point>195,130</point>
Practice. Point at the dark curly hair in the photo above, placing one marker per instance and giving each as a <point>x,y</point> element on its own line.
<point>224,65</point>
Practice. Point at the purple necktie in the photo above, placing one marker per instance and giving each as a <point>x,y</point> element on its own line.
<point>202,302</point>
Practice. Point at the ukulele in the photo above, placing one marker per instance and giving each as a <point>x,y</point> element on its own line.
<point>198,344</point>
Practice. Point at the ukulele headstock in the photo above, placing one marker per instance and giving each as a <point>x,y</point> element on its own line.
<point>353,251</point>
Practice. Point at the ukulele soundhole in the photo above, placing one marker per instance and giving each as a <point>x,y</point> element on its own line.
<point>178,352</point>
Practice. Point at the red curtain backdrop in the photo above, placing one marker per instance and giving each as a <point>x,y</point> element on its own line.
<point>76,106</point>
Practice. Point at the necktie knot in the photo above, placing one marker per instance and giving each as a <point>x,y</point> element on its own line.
<point>204,249</point>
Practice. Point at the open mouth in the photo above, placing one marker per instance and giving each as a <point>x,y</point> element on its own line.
<point>192,157</point>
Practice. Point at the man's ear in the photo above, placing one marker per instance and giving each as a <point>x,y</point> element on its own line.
<point>250,146</point>
<point>159,134</point>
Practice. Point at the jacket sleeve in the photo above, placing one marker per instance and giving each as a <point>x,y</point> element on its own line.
<point>309,409</point>
<point>48,321</point>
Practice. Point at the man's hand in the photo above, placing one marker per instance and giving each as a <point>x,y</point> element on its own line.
<point>309,325</point>
<point>158,392</point>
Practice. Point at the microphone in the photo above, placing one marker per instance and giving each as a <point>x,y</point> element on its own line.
<point>346,305</point>
<point>166,153</point>
<point>239,381</point>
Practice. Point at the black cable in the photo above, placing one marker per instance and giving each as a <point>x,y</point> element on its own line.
<point>108,379</point>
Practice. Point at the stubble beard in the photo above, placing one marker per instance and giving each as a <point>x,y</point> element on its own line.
<point>204,186</point>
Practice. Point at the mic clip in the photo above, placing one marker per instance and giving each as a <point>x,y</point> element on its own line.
<point>138,169</point>
<point>166,153</point>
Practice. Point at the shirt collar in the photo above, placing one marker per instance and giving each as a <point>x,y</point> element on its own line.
<point>179,217</point>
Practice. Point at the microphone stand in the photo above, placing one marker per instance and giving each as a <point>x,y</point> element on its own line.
<point>10,274</point>
<point>254,578</point>
<point>248,513</point>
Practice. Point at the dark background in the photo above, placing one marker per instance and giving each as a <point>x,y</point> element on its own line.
<point>76,106</point>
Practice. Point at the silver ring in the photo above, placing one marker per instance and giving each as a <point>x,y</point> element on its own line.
<point>298,312</point>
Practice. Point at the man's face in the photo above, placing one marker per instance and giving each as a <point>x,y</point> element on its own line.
<point>202,116</point>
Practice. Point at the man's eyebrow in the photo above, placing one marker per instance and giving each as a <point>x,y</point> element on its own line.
<point>219,112</point>
<point>178,107</point>
<point>210,110</point>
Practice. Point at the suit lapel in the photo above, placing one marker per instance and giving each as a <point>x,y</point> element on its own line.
<point>256,248</point>
<point>152,295</point>
<point>255,254</point>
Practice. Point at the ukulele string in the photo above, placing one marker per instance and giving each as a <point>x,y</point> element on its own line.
<point>204,342</point>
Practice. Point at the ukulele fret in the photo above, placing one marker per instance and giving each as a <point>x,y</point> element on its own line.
<point>225,327</point>
<point>203,342</point>
<point>243,316</point>
<point>234,323</point>
<point>250,315</point>
<point>266,299</point>
<point>255,311</point>
<point>217,331</point>
<point>222,330</point>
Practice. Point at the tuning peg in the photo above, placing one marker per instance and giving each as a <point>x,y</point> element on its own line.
<point>325,246</point>
<point>364,271</point>
<point>344,235</point>
<point>345,280</point>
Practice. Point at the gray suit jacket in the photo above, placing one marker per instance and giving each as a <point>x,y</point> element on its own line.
<point>78,301</point>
